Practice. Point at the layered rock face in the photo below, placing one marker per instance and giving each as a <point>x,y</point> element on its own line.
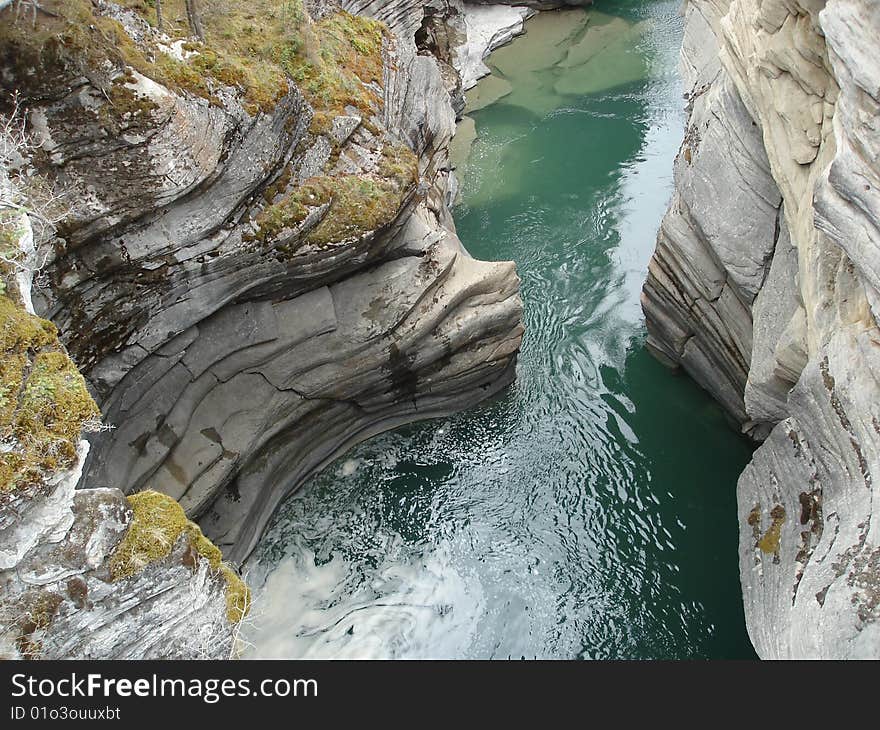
<point>254,273</point>
<point>764,288</point>
<point>261,271</point>
<point>86,573</point>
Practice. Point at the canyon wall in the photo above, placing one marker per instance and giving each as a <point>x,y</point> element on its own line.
<point>85,573</point>
<point>764,288</point>
<point>258,270</point>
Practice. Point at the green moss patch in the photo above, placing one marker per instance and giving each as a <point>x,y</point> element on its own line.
<point>55,400</point>
<point>43,400</point>
<point>238,595</point>
<point>358,203</point>
<point>21,331</point>
<point>157,524</point>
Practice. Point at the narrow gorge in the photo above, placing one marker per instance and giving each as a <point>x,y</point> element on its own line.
<point>342,328</point>
<point>563,519</point>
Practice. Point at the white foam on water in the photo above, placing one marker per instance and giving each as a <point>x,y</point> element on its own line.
<point>418,608</point>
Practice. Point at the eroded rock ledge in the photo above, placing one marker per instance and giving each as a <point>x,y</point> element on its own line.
<point>260,268</point>
<point>764,288</point>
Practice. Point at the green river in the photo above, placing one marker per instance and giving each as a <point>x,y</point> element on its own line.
<point>590,511</point>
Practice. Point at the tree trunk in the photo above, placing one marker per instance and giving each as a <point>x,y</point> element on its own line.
<point>159,22</point>
<point>195,21</point>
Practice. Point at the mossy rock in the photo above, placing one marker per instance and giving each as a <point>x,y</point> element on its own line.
<point>55,400</point>
<point>20,330</point>
<point>358,204</point>
<point>157,523</point>
<point>44,402</point>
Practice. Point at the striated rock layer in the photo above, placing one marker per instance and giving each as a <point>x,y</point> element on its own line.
<point>256,268</point>
<point>764,288</point>
<point>86,573</point>
<point>256,277</point>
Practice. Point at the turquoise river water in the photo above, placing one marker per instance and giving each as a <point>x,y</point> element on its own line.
<point>589,512</point>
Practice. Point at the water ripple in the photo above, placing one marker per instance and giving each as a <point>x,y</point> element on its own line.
<point>589,511</point>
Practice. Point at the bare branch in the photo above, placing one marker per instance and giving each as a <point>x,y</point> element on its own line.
<point>23,6</point>
<point>24,193</point>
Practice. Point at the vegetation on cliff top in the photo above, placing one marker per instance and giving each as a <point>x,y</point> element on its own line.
<point>358,204</point>
<point>158,522</point>
<point>256,47</point>
<point>253,46</point>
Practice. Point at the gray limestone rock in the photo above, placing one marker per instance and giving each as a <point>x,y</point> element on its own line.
<point>714,247</point>
<point>775,308</point>
<point>234,359</point>
<point>798,358</point>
